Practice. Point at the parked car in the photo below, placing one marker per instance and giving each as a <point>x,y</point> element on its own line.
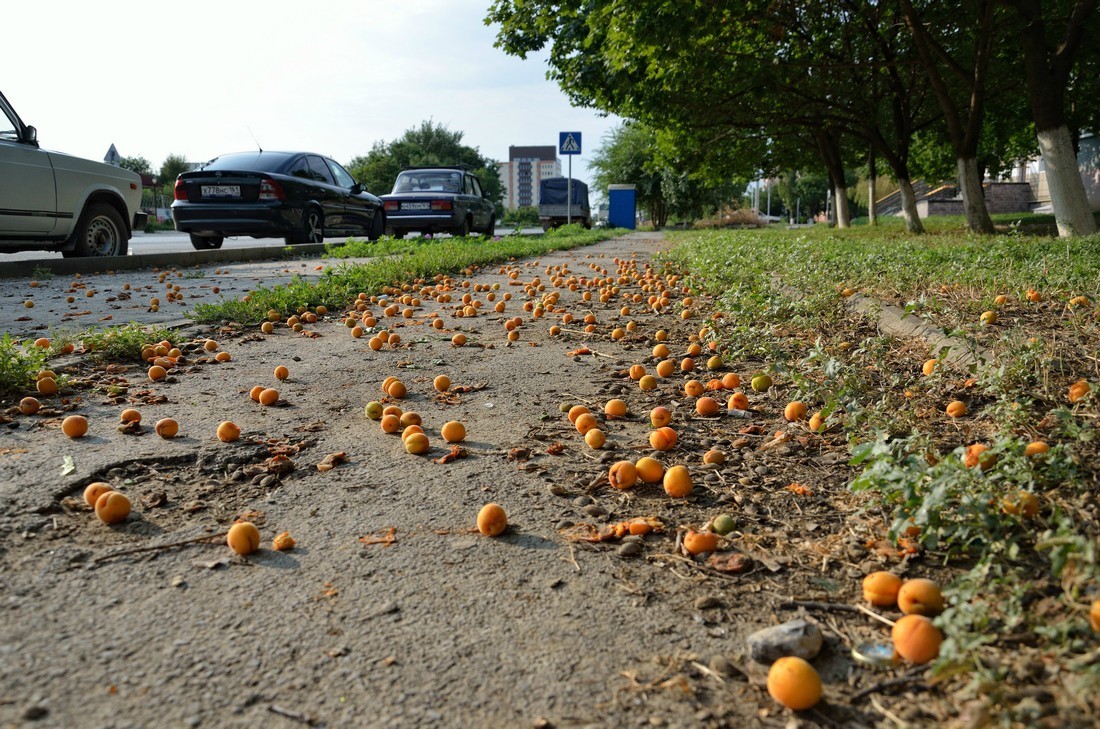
<point>300,196</point>
<point>438,200</point>
<point>555,207</point>
<point>54,201</point>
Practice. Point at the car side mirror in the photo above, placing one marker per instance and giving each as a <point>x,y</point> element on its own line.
<point>32,135</point>
<point>358,188</point>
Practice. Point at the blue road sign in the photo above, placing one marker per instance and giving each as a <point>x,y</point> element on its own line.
<point>569,142</point>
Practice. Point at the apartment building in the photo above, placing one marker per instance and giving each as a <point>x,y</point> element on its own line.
<point>526,166</point>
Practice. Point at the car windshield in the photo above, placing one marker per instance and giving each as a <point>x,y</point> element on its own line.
<point>249,161</point>
<point>429,181</point>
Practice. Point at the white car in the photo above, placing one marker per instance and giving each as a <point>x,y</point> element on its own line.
<point>54,201</point>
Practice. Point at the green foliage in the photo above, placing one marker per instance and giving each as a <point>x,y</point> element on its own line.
<point>428,144</point>
<point>139,165</point>
<point>18,366</point>
<point>172,167</point>
<point>338,286</point>
<point>123,342</point>
<point>523,216</point>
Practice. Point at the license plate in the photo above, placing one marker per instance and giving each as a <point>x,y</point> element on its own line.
<point>221,190</point>
<point>416,206</point>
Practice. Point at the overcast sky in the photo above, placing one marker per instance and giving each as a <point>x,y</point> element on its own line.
<point>329,76</point>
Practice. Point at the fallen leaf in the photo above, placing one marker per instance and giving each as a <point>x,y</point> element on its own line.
<point>456,453</point>
<point>730,564</point>
<point>799,489</point>
<point>67,465</point>
<point>330,461</point>
<point>556,449</point>
<point>385,538</point>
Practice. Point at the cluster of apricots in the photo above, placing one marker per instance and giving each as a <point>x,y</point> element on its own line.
<point>915,637</point>
<point>393,419</point>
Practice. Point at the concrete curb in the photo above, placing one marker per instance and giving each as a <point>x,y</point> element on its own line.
<point>69,266</point>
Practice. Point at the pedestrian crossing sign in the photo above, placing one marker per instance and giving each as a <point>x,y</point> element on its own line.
<point>569,142</point>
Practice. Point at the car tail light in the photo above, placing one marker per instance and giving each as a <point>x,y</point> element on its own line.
<point>179,192</point>
<point>391,205</point>
<point>271,190</point>
<point>441,204</point>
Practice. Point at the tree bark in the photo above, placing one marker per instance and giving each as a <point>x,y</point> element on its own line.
<point>970,184</point>
<point>1067,191</point>
<point>840,202</point>
<point>909,206</point>
<point>829,150</point>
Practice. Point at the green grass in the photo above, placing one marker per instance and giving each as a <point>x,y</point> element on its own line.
<point>123,342</point>
<point>406,261</point>
<point>19,365</point>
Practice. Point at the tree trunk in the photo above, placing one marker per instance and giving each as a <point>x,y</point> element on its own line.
<point>872,213</point>
<point>909,206</point>
<point>1067,191</point>
<point>840,202</point>
<point>970,183</point>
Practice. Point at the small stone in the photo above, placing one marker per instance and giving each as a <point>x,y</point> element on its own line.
<point>633,538</point>
<point>707,602</point>
<point>794,638</point>
<point>630,549</point>
<point>583,501</point>
<point>558,490</point>
<point>563,524</point>
<point>36,712</point>
<point>721,665</point>
<point>594,510</point>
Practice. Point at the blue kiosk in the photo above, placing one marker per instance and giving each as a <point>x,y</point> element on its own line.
<point>622,206</point>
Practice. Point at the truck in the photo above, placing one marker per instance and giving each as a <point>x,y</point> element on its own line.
<point>553,210</point>
<point>54,201</point>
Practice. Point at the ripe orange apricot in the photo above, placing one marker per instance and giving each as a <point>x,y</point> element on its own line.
<point>817,423</point>
<point>699,542</point>
<point>622,475</point>
<point>47,386</point>
<point>228,431</point>
<point>794,411</point>
<point>453,431</point>
<point>694,388</point>
<point>397,390</point>
<point>661,351</point>
<point>417,443</point>
<point>881,588</point>
<point>1078,390</point>
<point>243,537</point>
<point>916,639</point>
<point>714,456</point>
<point>648,382</point>
<point>707,407</point>
<point>976,455</point>
<point>731,381</point>
<point>1023,503</point>
<point>442,383</point>
<point>794,683</point>
<point>94,490</point>
<point>660,417</point>
<point>677,482</point>
<point>157,373</point>
<point>585,422</point>
<point>575,412</point>
<point>254,393</point>
<point>956,408</point>
<point>458,340</point>
<point>491,520</point>
<point>687,364</point>
<point>129,415</point>
<point>29,405</point>
<point>636,372</point>
<point>738,401</point>
<point>410,418</point>
<point>409,430</point>
<point>112,507</point>
<point>663,439</point>
<point>595,438</point>
<point>1036,448</point>
<point>167,428</point>
<point>223,356</point>
<point>1034,296</point>
<point>281,372</point>
<point>615,408</point>
<point>920,597</point>
<point>649,469</point>
<point>268,396</point>
<point>75,426</point>
<point>665,368</point>
<point>1094,615</point>
<point>390,423</point>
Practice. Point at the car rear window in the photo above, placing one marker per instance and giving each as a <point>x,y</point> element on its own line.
<point>429,181</point>
<point>249,161</point>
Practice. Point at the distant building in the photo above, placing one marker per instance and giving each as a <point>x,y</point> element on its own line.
<point>521,174</point>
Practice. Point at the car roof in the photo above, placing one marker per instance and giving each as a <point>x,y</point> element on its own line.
<point>463,168</point>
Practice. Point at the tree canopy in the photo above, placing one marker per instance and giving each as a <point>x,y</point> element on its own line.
<point>427,144</point>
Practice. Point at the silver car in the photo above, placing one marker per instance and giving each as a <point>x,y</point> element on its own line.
<point>54,201</point>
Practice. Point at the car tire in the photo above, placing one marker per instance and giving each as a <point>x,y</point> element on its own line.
<point>99,232</point>
<point>313,228</point>
<point>492,229</point>
<point>377,226</point>
<point>206,243</point>
<point>463,230</point>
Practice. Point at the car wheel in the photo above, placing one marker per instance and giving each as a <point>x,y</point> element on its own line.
<point>464,229</point>
<point>492,229</point>
<point>100,232</point>
<point>313,226</point>
<point>206,243</point>
<point>377,226</point>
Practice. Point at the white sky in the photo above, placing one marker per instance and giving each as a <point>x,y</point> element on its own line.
<point>329,76</point>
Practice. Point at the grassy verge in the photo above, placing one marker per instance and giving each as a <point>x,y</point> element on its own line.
<point>340,285</point>
<point>1020,532</point>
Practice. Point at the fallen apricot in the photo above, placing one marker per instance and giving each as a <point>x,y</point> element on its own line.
<point>595,438</point>
<point>575,412</point>
<point>622,475</point>
<point>677,482</point>
<point>269,396</point>
<point>795,411</point>
<point>920,597</point>
<point>714,456</point>
<point>731,381</point>
<point>157,373</point>
<point>228,431</point>
<point>373,410</point>
<point>615,408</point>
<point>660,417</point>
<point>1024,503</point>
<point>916,639</point>
<point>1094,615</point>
<point>283,542</point>
<point>761,383</point>
<point>585,422</point>
<point>281,372</point>
<point>397,390</point>
<point>390,423</point>
<point>1078,390</point>
<point>663,439</point>
<point>881,588</point>
<point>956,408</point>
<point>94,490</point>
<point>707,407</point>
<point>112,507</point>
<point>817,423</point>
<point>794,683</point>
<point>29,405</point>
<point>649,469</point>
<point>167,428</point>
<point>442,383</point>
<point>453,431</point>
<point>491,520</point>
<point>75,426</point>
<point>929,367</point>
<point>243,537</point>
<point>1036,448</point>
<point>738,401</point>
<point>648,382</point>
<point>977,455</point>
<point>699,542</point>
<point>417,443</point>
